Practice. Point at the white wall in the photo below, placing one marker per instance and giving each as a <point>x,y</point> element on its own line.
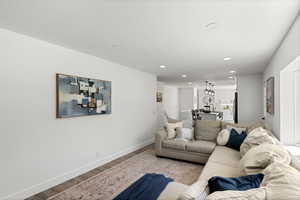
<point>288,50</point>
<point>169,105</point>
<point>170,101</point>
<point>37,150</point>
<point>250,98</point>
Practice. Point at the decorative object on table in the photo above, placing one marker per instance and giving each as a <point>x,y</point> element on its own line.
<point>159,97</point>
<point>79,96</point>
<point>270,96</point>
<point>196,114</point>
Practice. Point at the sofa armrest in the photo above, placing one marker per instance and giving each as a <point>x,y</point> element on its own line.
<point>197,191</point>
<point>159,137</point>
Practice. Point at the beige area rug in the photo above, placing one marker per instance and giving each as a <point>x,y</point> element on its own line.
<point>109,183</point>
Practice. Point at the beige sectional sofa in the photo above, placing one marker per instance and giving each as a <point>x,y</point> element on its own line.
<point>197,150</point>
<point>220,160</point>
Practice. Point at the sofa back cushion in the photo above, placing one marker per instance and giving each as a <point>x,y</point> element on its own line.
<point>207,130</point>
<point>261,156</point>
<point>256,137</point>
<point>282,182</point>
<point>225,125</point>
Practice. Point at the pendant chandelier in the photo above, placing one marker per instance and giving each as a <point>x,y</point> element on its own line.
<point>209,89</point>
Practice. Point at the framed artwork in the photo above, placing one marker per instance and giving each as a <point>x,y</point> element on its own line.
<point>159,97</point>
<point>78,96</point>
<point>270,96</point>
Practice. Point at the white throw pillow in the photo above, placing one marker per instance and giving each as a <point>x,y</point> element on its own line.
<point>239,130</point>
<point>282,182</point>
<point>260,157</point>
<point>253,194</point>
<point>223,137</point>
<point>171,129</point>
<point>254,138</point>
<point>185,133</point>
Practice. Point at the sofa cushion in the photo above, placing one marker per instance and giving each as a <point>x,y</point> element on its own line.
<point>282,182</point>
<point>256,125</point>
<point>225,156</point>
<point>259,157</point>
<point>172,191</point>
<point>225,125</point>
<point>253,194</point>
<point>239,130</point>
<point>198,190</point>
<point>256,137</point>
<point>174,144</point>
<point>207,129</point>
<point>201,146</point>
<point>217,169</point>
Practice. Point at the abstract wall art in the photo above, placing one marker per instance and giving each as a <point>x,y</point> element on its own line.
<point>79,96</point>
<point>270,96</point>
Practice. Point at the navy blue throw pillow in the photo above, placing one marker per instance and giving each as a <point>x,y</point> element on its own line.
<point>236,139</point>
<point>242,183</point>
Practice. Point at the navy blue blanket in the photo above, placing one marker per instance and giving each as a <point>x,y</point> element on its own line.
<point>147,187</point>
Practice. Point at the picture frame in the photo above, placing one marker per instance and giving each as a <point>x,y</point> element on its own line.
<point>270,98</point>
<point>79,96</point>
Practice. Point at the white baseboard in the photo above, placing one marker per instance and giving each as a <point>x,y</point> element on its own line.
<point>69,175</point>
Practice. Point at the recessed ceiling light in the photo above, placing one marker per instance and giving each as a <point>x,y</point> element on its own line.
<point>227,58</point>
<point>211,25</point>
<point>232,72</point>
<point>183,75</point>
<point>162,67</point>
